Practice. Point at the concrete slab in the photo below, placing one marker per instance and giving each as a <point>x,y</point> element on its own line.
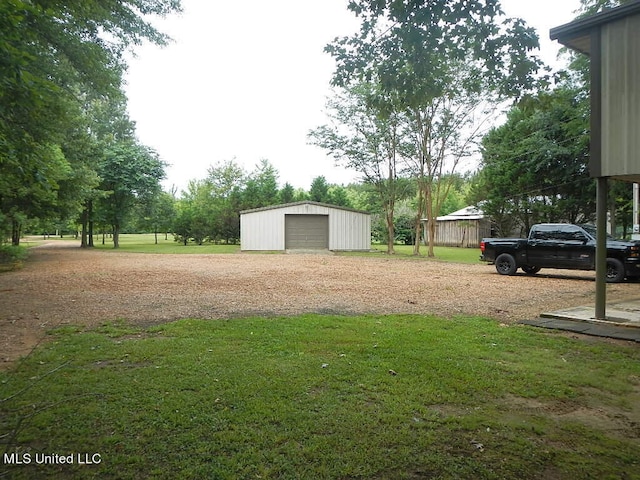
<point>302,251</point>
<point>622,320</point>
<point>586,328</point>
<point>625,314</point>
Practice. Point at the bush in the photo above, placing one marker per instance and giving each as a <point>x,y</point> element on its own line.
<point>11,257</point>
<point>404,229</point>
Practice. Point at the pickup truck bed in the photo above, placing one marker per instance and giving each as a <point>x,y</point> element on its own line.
<point>559,245</point>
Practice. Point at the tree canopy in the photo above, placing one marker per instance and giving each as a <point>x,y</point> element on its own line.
<point>432,66</point>
<point>534,166</point>
<point>413,49</point>
<point>411,86</point>
<point>55,59</point>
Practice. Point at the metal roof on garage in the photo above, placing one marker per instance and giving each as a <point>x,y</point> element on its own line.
<point>305,202</point>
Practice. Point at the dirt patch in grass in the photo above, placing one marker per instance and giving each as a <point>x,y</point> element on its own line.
<point>62,284</point>
<point>620,422</point>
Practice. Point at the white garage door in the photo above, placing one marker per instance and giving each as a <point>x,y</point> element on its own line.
<point>306,231</point>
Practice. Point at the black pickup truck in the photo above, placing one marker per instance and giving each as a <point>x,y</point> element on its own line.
<point>561,245</point>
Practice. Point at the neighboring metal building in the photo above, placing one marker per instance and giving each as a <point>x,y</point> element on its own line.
<point>306,226</point>
<point>464,228</point>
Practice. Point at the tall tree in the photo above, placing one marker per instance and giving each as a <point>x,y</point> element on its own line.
<point>227,180</point>
<point>129,172</point>
<point>50,51</point>
<point>287,193</point>
<point>106,124</point>
<point>156,213</point>
<point>319,190</point>
<point>416,51</point>
<point>84,151</point>
<point>364,134</point>
<point>261,187</point>
<point>534,166</point>
<point>195,217</point>
<point>338,196</point>
<point>444,133</point>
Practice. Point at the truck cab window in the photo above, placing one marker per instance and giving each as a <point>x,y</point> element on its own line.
<point>546,232</point>
<point>571,232</point>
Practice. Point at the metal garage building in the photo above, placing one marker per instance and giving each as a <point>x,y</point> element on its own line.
<point>306,226</point>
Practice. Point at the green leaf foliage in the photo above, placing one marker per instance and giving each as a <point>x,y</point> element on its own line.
<point>55,59</point>
<point>261,188</point>
<point>319,191</point>
<point>437,63</point>
<point>534,166</point>
<point>412,48</point>
<point>130,172</point>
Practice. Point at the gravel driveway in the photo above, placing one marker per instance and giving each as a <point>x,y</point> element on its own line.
<point>63,284</point>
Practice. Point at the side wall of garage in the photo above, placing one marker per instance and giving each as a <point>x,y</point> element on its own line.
<point>349,230</point>
<point>264,229</point>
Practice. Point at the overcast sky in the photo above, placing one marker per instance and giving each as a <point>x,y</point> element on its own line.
<point>248,80</point>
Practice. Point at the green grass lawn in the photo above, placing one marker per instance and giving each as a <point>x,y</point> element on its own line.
<point>324,397</point>
<point>139,243</point>
<point>145,243</point>
<point>447,254</point>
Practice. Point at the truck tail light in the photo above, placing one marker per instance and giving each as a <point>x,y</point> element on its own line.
<point>482,247</point>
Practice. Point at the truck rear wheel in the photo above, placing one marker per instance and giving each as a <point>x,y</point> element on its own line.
<point>529,270</point>
<point>615,270</point>
<point>506,264</point>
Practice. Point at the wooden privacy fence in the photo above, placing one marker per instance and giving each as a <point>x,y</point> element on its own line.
<point>464,228</point>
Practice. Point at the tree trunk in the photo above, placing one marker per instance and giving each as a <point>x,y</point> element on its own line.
<point>431,220</point>
<point>391,193</point>
<point>116,235</point>
<point>90,221</point>
<point>419,215</point>
<point>83,229</point>
<point>90,235</point>
<point>83,235</point>
<point>391,233</point>
<point>16,228</point>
